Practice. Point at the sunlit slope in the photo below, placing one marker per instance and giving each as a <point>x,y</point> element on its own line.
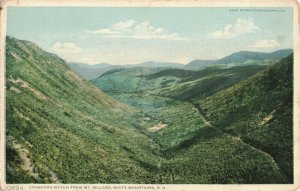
<point>204,82</point>
<point>260,112</point>
<point>60,128</point>
<point>175,83</point>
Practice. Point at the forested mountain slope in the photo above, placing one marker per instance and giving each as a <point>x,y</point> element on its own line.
<point>67,129</point>
<point>260,112</point>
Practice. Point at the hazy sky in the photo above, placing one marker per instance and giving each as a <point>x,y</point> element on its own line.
<point>134,35</point>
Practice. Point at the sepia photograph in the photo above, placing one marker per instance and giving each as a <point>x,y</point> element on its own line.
<point>107,96</point>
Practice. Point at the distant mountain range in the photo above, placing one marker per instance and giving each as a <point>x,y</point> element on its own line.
<point>102,65</point>
<point>244,57</point>
<point>90,72</point>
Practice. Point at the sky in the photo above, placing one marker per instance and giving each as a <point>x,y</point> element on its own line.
<point>134,35</point>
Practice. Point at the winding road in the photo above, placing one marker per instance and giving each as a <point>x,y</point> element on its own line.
<point>210,124</point>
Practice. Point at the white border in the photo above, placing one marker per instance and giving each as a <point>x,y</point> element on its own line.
<point>157,3</point>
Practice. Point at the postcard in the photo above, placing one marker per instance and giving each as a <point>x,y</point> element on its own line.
<point>151,95</point>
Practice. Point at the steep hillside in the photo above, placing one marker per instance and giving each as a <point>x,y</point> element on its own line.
<point>60,128</point>
<point>260,112</point>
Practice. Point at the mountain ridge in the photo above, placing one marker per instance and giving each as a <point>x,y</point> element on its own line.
<point>243,56</point>
<point>91,72</point>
